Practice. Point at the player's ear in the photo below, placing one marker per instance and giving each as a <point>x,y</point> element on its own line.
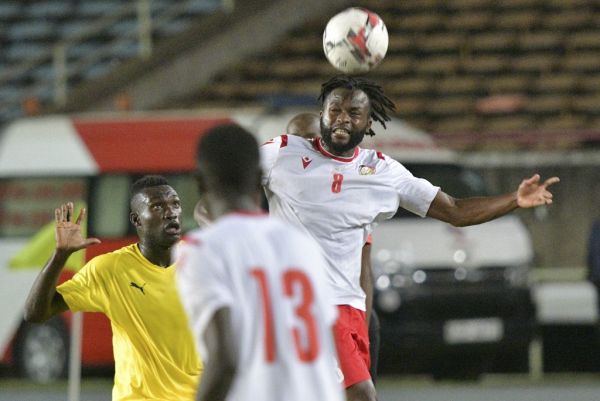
<point>134,218</point>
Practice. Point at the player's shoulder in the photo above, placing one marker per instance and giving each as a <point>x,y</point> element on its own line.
<point>111,261</point>
<point>194,238</point>
<point>374,157</point>
<point>288,143</point>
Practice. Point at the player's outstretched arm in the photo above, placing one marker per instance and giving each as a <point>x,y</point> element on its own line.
<point>221,365</point>
<point>470,211</point>
<point>43,301</point>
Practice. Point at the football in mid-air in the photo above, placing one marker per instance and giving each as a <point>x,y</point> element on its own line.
<point>355,40</point>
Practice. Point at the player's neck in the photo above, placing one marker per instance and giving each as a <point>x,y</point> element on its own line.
<point>221,205</point>
<point>157,255</point>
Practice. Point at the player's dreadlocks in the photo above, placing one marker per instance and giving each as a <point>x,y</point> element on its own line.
<point>380,104</point>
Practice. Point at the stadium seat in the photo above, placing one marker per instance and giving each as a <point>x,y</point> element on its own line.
<point>453,124</point>
<point>91,8</point>
<point>562,122</point>
<point>587,104</point>
<point>535,62</point>
<point>508,83</point>
<point>23,31</point>
<point>424,22</point>
<point>473,21</point>
<point>584,40</point>
<point>581,62</point>
<point>547,105</point>
<point>566,20</point>
<point>520,19</point>
<point>509,123</point>
<point>540,41</point>
<point>492,42</point>
<point>394,66</point>
<point>461,5</point>
<point>409,106</point>
<point>439,43</point>
<point>549,83</point>
<point>485,64</point>
<point>438,65</point>
<point>24,51</point>
<point>445,106</point>
<point>9,10</point>
<point>409,86</point>
<point>54,9</point>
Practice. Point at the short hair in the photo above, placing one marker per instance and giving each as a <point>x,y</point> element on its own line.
<point>300,125</point>
<point>228,158</point>
<point>146,181</point>
<point>380,103</point>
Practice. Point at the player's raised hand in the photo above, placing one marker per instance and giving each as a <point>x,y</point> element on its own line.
<point>68,232</point>
<point>531,193</point>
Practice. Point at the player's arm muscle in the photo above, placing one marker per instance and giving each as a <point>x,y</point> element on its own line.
<point>221,366</point>
<point>532,192</point>
<point>469,211</point>
<point>43,301</point>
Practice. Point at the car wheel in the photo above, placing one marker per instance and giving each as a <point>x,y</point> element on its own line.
<point>41,350</point>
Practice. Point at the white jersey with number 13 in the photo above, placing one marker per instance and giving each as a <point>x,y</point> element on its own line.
<point>272,278</point>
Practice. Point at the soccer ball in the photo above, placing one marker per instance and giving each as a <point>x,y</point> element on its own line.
<point>355,40</point>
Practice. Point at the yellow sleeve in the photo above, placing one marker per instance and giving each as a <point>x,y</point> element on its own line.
<point>87,290</point>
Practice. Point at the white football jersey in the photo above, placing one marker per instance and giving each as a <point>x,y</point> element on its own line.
<point>272,278</point>
<point>338,200</point>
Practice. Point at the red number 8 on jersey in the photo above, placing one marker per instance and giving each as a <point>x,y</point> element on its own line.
<point>336,185</point>
<point>292,279</point>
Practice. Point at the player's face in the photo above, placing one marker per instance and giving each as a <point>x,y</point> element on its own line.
<point>345,120</point>
<point>157,216</point>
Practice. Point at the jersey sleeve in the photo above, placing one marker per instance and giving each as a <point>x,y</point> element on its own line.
<point>415,194</point>
<point>86,291</point>
<point>203,287</point>
<point>269,151</point>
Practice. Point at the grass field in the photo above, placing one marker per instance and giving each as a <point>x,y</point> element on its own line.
<point>563,387</point>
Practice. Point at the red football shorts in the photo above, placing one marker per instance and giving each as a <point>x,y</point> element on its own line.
<point>352,343</point>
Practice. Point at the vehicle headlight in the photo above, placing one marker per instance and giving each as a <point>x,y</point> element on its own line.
<point>389,300</point>
<point>517,276</point>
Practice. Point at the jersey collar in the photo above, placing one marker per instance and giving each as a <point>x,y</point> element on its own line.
<point>319,146</point>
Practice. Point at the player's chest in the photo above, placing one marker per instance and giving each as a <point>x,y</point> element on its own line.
<point>311,178</point>
<point>145,292</point>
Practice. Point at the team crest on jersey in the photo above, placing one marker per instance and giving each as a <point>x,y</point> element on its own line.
<point>306,161</point>
<point>366,170</point>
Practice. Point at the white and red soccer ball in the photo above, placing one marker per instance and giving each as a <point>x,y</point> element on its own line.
<point>355,40</point>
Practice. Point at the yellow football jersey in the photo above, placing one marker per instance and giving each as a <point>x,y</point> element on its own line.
<point>155,354</point>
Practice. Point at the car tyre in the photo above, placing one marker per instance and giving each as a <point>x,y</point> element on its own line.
<point>41,350</point>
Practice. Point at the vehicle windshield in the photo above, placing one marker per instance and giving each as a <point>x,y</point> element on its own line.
<point>455,180</point>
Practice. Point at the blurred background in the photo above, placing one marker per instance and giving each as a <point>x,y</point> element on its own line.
<point>94,94</point>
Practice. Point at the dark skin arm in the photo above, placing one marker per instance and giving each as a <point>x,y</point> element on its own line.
<point>43,301</point>
<point>470,211</point>
<point>221,367</point>
<point>366,279</point>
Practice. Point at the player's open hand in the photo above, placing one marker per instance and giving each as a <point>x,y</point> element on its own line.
<point>531,193</point>
<point>68,232</point>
